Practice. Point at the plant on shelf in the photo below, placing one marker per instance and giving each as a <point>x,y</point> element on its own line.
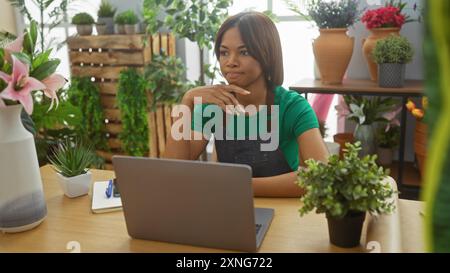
<point>129,20</point>
<point>365,112</point>
<point>391,54</point>
<point>71,161</point>
<point>345,190</point>
<point>328,14</point>
<point>163,77</point>
<point>387,137</point>
<point>85,95</point>
<point>132,102</point>
<point>84,22</point>
<point>333,48</point>
<point>105,15</point>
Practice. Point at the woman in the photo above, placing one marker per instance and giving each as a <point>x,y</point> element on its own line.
<point>249,53</point>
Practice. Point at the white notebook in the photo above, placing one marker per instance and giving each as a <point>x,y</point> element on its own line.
<point>100,203</point>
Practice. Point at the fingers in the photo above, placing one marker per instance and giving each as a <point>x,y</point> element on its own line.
<point>234,101</point>
<point>234,88</point>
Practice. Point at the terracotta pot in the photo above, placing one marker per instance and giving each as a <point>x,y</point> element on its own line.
<point>343,138</point>
<point>420,145</point>
<point>369,44</point>
<point>333,50</point>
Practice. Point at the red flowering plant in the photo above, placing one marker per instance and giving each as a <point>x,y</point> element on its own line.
<point>391,15</point>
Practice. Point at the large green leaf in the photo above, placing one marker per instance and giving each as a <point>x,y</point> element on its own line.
<point>45,69</point>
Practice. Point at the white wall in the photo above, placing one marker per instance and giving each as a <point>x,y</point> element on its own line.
<point>7,17</point>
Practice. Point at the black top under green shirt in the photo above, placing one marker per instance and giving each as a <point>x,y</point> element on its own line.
<point>295,117</point>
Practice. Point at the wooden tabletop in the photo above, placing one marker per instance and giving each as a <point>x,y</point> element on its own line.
<point>71,220</point>
<point>348,86</point>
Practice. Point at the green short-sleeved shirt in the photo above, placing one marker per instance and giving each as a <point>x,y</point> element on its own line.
<point>295,117</point>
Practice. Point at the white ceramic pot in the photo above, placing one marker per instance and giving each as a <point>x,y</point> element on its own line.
<point>22,202</point>
<point>75,186</point>
<point>333,148</point>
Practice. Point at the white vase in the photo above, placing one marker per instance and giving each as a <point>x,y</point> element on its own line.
<point>22,202</point>
<point>75,186</point>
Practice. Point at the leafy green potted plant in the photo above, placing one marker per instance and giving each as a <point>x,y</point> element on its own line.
<point>333,49</point>
<point>71,161</point>
<point>391,54</point>
<point>345,190</point>
<point>365,112</point>
<point>131,22</point>
<point>84,22</point>
<point>119,23</point>
<point>105,15</point>
<point>386,139</point>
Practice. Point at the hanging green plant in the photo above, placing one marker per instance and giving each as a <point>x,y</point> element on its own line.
<point>132,102</point>
<point>163,78</point>
<point>84,94</point>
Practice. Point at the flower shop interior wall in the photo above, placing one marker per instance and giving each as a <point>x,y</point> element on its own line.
<point>357,69</point>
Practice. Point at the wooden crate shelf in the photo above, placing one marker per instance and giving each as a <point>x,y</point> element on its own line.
<point>102,58</point>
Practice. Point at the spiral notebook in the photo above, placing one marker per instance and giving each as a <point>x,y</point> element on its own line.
<point>100,203</point>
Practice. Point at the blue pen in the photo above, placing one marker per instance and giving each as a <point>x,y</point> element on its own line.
<point>109,189</point>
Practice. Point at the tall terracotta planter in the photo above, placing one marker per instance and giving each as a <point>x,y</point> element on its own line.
<point>333,50</point>
<point>369,44</point>
<point>420,144</point>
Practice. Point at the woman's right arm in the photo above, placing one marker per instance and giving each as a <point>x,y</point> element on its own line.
<point>185,148</point>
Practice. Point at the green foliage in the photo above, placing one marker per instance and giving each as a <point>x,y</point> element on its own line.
<point>329,14</point>
<point>389,139</point>
<point>196,20</point>
<point>127,18</point>
<point>84,94</point>
<point>52,10</point>
<point>72,159</point>
<point>83,18</point>
<point>163,78</point>
<point>393,49</point>
<point>344,186</point>
<point>368,110</point>
<point>106,9</point>
<point>132,102</point>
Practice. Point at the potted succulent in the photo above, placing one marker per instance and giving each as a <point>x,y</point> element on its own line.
<point>71,161</point>
<point>391,54</point>
<point>333,49</point>
<point>345,190</point>
<point>105,15</point>
<point>131,22</point>
<point>84,22</point>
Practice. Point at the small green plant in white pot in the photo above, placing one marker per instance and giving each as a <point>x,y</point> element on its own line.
<point>105,15</point>
<point>71,161</point>
<point>84,22</point>
<point>345,190</point>
<point>392,54</point>
<point>387,139</point>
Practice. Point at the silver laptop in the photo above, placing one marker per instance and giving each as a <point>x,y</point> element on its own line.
<point>191,202</point>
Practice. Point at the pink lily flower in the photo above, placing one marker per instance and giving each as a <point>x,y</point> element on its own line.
<point>392,118</point>
<point>14,46</point>
<point>20,85</point>
<point>52,84</point>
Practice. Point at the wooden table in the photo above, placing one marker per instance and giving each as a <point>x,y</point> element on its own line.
<point>71,220</point>
<point>412,88</point>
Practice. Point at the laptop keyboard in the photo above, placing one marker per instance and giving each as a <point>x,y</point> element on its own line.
<point>258,228</point>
